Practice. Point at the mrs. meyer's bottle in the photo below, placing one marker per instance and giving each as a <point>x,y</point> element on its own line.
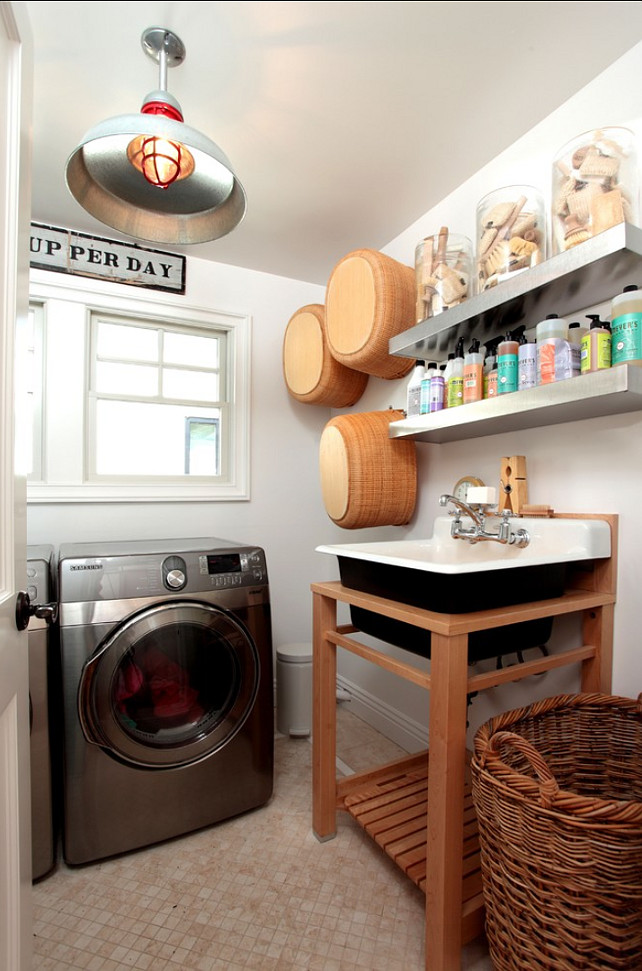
<point>626,327</point>
<point>595,354</point>
<point>473,373</point>
<point>507,352</point>
<point>526,364</point>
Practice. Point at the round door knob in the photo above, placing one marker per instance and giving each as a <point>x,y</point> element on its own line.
<point>25,609</point>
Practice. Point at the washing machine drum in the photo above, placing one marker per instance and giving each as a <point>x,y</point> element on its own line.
<point>170,685</point>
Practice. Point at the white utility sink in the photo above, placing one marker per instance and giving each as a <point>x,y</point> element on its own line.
<point>454,576</point>
<point>551,541</point>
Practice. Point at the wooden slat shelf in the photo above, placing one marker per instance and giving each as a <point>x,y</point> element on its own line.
<point>429,827</point>
<point>394,812</point>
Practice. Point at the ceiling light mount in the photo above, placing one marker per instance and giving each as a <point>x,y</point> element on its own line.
<point>121,164</point>
<point>164,47</point>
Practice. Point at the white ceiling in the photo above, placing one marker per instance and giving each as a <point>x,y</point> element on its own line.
<point>345,121</point>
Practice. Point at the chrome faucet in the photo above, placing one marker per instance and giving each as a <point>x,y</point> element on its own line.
<point>478,533</point>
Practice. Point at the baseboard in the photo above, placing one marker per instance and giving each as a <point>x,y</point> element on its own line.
<point>405,732</point>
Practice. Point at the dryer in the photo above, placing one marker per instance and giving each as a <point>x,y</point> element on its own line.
<point>43,694</point>
<point>168,718</point>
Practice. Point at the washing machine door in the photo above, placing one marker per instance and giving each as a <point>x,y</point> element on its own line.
<point>170,685</point>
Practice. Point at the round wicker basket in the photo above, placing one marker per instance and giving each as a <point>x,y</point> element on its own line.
<point>311,373</point>
<point>369,299</point>
<point>557,788</point>
<point>367,478</point>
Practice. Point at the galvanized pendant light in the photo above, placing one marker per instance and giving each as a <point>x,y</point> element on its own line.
<point>151,176</point>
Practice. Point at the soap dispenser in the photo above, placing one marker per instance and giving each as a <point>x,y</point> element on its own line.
<point>595,354</point>
<point>507,356</point>
<point>455,388</point>
<point>473,373</point>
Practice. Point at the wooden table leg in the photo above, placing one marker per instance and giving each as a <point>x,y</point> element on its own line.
<point>447,746</point>
<point>324,719</point>
<point>597,629</point>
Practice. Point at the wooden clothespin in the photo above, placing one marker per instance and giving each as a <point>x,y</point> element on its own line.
<point>513,488</point>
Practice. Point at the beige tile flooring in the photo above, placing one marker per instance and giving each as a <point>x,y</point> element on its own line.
<point>258,891</point>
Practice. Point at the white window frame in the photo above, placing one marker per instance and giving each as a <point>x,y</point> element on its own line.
<point>67,307</point>
<point>29,425</point>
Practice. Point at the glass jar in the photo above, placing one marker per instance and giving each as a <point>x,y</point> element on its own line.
<point>595,186</point>
<point>511,233</point>
<point>443,271</point>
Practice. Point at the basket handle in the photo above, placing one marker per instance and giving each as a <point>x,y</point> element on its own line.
<point>548,787</point>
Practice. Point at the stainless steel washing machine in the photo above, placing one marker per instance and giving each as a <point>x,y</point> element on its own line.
<point>41,698</point>
<point>166,653</point>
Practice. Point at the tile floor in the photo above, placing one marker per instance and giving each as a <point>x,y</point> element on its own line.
<point>258,891</point>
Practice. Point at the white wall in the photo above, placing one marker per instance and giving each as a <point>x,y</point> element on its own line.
<point>591,466</point>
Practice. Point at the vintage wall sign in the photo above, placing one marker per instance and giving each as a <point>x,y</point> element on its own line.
<point>65,251</point>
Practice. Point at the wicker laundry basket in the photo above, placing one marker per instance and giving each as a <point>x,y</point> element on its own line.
<point>558,791</point>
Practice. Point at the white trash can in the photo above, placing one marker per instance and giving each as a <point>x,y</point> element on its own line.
<point>294,689</point>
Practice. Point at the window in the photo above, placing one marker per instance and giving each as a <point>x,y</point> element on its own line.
<point>142,400</point>
<point>146,380</point>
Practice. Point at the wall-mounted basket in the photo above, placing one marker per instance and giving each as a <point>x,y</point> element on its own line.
<point>369,299</point>
<point>367,478</point>
<point>311,373</point>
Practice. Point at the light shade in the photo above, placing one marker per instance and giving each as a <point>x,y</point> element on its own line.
<point>204,205</point>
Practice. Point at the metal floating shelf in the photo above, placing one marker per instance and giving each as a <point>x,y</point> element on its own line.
<point>588,274</point>
<point>612,392</point>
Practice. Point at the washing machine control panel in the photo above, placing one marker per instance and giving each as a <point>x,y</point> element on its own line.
<point>233,569</point>
<point>138,570</point>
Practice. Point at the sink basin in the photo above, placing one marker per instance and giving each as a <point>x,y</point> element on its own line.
<point>551,541</point>
<point>454,576</point>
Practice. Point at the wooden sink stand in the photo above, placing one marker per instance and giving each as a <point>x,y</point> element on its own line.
<point>420,810</point>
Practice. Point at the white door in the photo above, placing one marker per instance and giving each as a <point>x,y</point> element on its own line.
<point>15,818</point>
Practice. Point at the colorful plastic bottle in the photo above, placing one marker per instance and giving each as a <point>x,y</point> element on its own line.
<point>626,326</point>
<point>552,340</point>
<point>507,357</point>
<point>448,370</point>
<point>473,373</point>
<point>455,390</point>
<point>436,391</point>
<point>424,402</point>
<point>526,364</point>
<point>490,376</point>
<point>413,391</point>
<point>595,354</point>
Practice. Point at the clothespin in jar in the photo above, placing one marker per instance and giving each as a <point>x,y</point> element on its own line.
<point>513,487</point>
